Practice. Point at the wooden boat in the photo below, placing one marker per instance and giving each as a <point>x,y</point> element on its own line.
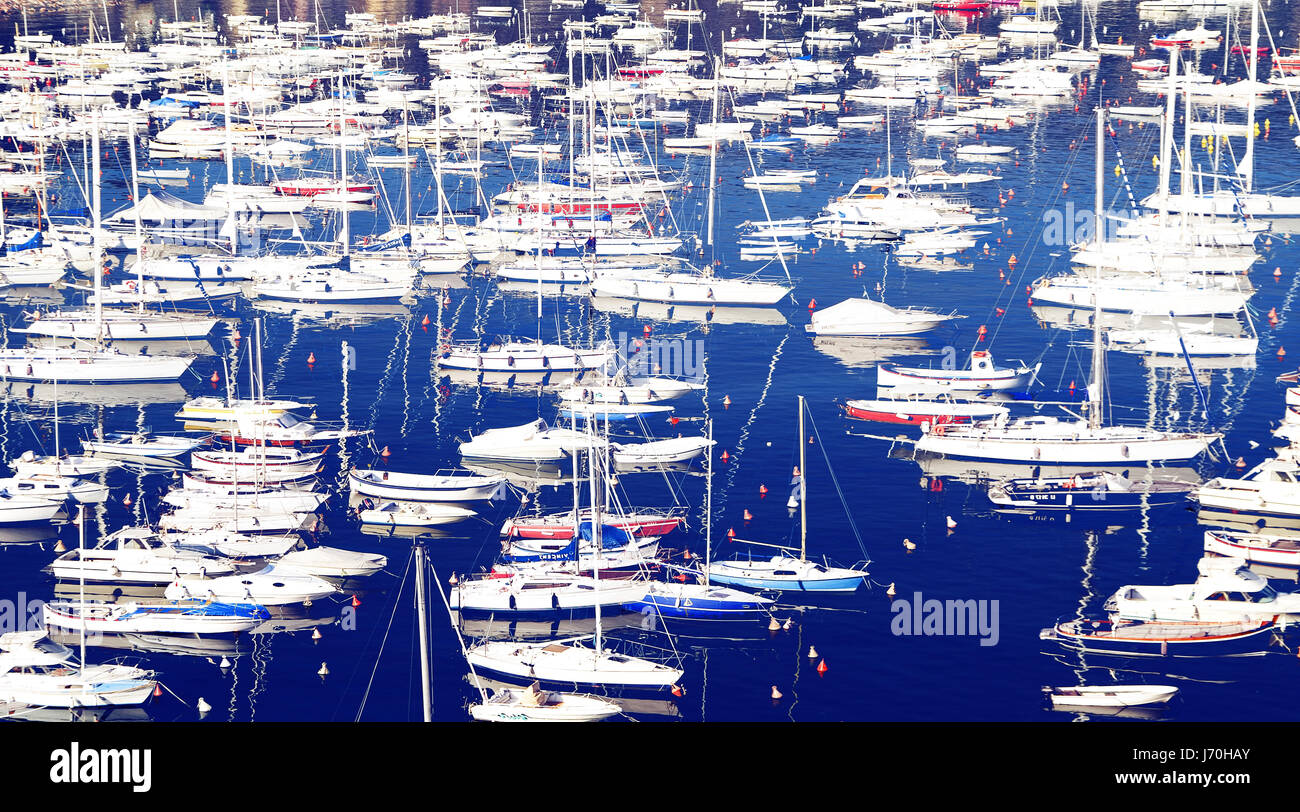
<point>1258,547</point>
<point>1163,639</point>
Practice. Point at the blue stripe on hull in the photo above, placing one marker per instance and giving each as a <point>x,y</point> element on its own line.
<point>788,585</point>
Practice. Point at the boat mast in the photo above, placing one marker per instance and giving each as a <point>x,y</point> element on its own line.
<point>139,234</point>
<point>343,171</point>
<point>1247,169</point>
<point>1167,135</point>
<point>713,155</point>
<point>708,508</point>
<point>1095,388</point>
<point>803,487</point>
<point>98,240</point>
<point>230,158</point>
<point>81,560</point>
<point>423,613</point>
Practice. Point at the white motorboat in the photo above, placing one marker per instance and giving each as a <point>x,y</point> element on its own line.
<point>141,444</point>
<point>1226,590</point>
<point>137,555</point>
<point>443,486</point>
<point>271,586</point>
<point>28,464</point>
<point>53,488</point>
<point>1272,487</point>
<point>530,443</point>
<point>660,452</point>
<point>407,514</point>
<point>332,562</point>
<point>35,670</point>
<point>867,317</point>
<point>26,509</point>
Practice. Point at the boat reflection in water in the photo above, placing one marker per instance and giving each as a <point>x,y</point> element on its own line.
<point>867,352</point>
<point>705,314</point>
<point>18,712</point>
<point>119,394</point>
<point>334,314</point>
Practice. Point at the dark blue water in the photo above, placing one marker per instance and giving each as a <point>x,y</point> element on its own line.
<point>1037,570</point>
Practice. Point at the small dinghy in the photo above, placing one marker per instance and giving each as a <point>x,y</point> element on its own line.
<point>405,514</point>
<point>1110,696</point>
<point>1089,491</point>
<point>532,704</point>
<point>983,375</point>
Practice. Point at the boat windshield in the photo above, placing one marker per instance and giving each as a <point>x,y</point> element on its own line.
<point>1266,595</point>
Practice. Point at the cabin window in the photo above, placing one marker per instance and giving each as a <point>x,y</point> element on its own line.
<point>1218,596</point>
<point>783,572</point>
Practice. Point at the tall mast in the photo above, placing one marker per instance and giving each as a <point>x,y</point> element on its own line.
<point>423,613</point>
<point>139,232</point>
<point>230,158</point>
<point>1167,134</point>
<point>713,153</point>
<point>708,509</point>
<point>98,238</point>
<point>343,171</point>
<point>803,487</point>
<point>1096,386</point>
<point>406,165</point>
<point>1248,162</point>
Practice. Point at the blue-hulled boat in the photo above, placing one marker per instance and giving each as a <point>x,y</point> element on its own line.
<point>696,601</point>
<point>1089,491</point>
<point>785,572</point>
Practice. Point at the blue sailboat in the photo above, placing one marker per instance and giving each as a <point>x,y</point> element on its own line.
<point>784,571</point>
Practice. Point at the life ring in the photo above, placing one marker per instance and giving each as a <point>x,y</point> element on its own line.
<point>130,285</point>
<point>936,484</point>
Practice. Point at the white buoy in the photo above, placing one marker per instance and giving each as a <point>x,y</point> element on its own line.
<point>890,592</point>
<point>324,670</point>
<point>203,707</point>
<point>908,544</point>
<point>315,634</point>
<point>789,624</point>
<point>812,652</point>
<point>952,525</point>
<point>224,664</point>
<point>775,693</point>
<point>774,625</point>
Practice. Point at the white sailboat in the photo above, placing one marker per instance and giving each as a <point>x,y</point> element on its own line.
<point>1085,441</point>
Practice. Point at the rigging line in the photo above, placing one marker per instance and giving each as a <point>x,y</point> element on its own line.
<point>838,490</point>
<point>397,600</point>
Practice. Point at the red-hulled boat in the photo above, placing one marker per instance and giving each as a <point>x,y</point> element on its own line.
<point>917,412</point>
<point>561,525</point>
<point>310,187</point>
